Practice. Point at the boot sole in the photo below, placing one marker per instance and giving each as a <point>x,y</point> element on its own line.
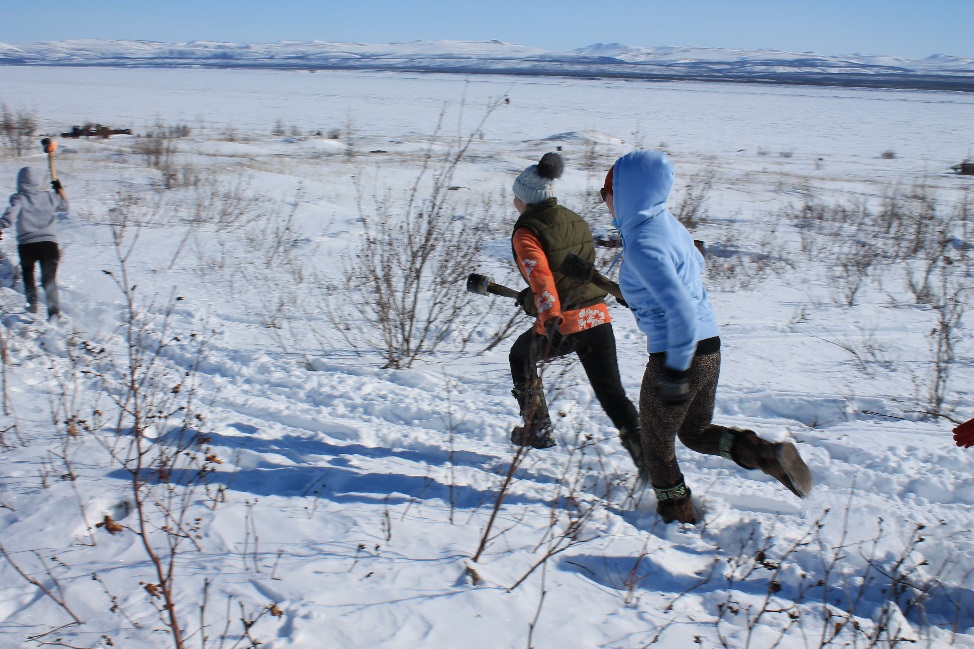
<point>797,476</point>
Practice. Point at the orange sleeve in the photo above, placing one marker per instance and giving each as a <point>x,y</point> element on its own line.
<point>533,264</point>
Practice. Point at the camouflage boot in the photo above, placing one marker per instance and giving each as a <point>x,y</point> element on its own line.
<point>536,431</point>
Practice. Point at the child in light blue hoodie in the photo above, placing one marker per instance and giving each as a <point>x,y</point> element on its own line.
<point>35,212</point>
<point>660,279</point>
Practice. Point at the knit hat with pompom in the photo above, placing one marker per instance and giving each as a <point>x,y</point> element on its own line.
<point>536,184</point>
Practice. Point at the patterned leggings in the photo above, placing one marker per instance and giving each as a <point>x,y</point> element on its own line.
<point>662,423</point>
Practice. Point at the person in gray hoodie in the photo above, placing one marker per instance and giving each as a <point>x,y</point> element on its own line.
<point>660,280</point>
<point>35,212</point>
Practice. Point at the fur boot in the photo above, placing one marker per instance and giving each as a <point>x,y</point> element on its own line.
<point>781,460</point>
<point>675,504</point>
<point>536,431</point>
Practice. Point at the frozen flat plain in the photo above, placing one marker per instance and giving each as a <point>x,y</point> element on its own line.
<point>356,496</point>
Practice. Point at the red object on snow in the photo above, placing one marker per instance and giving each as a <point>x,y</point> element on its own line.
<point>964,434</point>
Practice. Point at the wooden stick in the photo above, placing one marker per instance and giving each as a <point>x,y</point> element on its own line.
<point>50,146</point>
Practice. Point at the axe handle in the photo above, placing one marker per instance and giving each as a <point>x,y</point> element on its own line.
<point>503,291</point>
<point>584,271</point>
<point>50,147</point>
<point>606,284</point>
<point>50,161</point>
<point>482,285</point>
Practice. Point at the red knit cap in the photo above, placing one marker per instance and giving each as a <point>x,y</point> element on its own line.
<point>608,180</point>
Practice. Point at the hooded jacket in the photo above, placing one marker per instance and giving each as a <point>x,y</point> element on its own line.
<point>34,209</point>
<point>660,272</point>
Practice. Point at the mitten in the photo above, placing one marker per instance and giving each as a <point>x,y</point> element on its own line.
<point>551,328</point>
<point>526,299</point>
<point>673,385</point>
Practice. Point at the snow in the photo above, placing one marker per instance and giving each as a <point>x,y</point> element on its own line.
<point>354,497</point>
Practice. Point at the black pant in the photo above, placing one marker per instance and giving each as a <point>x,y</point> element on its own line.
<point>596,349</point>
<point>47,253</point>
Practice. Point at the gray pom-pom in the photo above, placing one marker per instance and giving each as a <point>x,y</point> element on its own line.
<point>551,166</point>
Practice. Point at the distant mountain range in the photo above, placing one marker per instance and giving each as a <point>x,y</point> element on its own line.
<point>613,60</point>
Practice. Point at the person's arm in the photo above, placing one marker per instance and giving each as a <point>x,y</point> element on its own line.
<point>62,204</point>
<point>533,264</point>
<point>10,214</point>
<point>657,273</point>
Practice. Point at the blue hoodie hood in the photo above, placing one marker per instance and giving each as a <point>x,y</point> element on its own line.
<point>641,183</point>
<point>660,273</point>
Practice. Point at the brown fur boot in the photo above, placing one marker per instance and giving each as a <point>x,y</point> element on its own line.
<point>675,504</point>
<point>781,461</point>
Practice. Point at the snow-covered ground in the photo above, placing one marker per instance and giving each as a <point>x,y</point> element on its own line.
<point>343,503</point>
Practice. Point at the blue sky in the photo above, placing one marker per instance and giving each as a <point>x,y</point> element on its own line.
<point>910,28</point>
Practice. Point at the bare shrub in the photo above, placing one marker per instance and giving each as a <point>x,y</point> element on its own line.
<point>807,218</point>
<point>158,442</point>
<point>917,233</point>
<point>950,304</point>
<point>17,129</point>
<point>866,353</point>
<point>225,205</point>
<point>572,507</point>
<point>350,138</point>
<point>910,230</point>
<point>593,158</point>
<point>50,586</point>
<point>277,279</point>
<point>139,391</point>
<point>10,426</point>
<point>691,206</point>
<point>853,262</point>
<point>828,592</point>
<point>486,536</point>
<point>133,209</point>
<point>731,267</point>
<point>407,276</point>
<point>159,148</point>
<point>571,511</point>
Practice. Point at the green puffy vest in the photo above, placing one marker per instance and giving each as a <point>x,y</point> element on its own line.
<point>560,232</point>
